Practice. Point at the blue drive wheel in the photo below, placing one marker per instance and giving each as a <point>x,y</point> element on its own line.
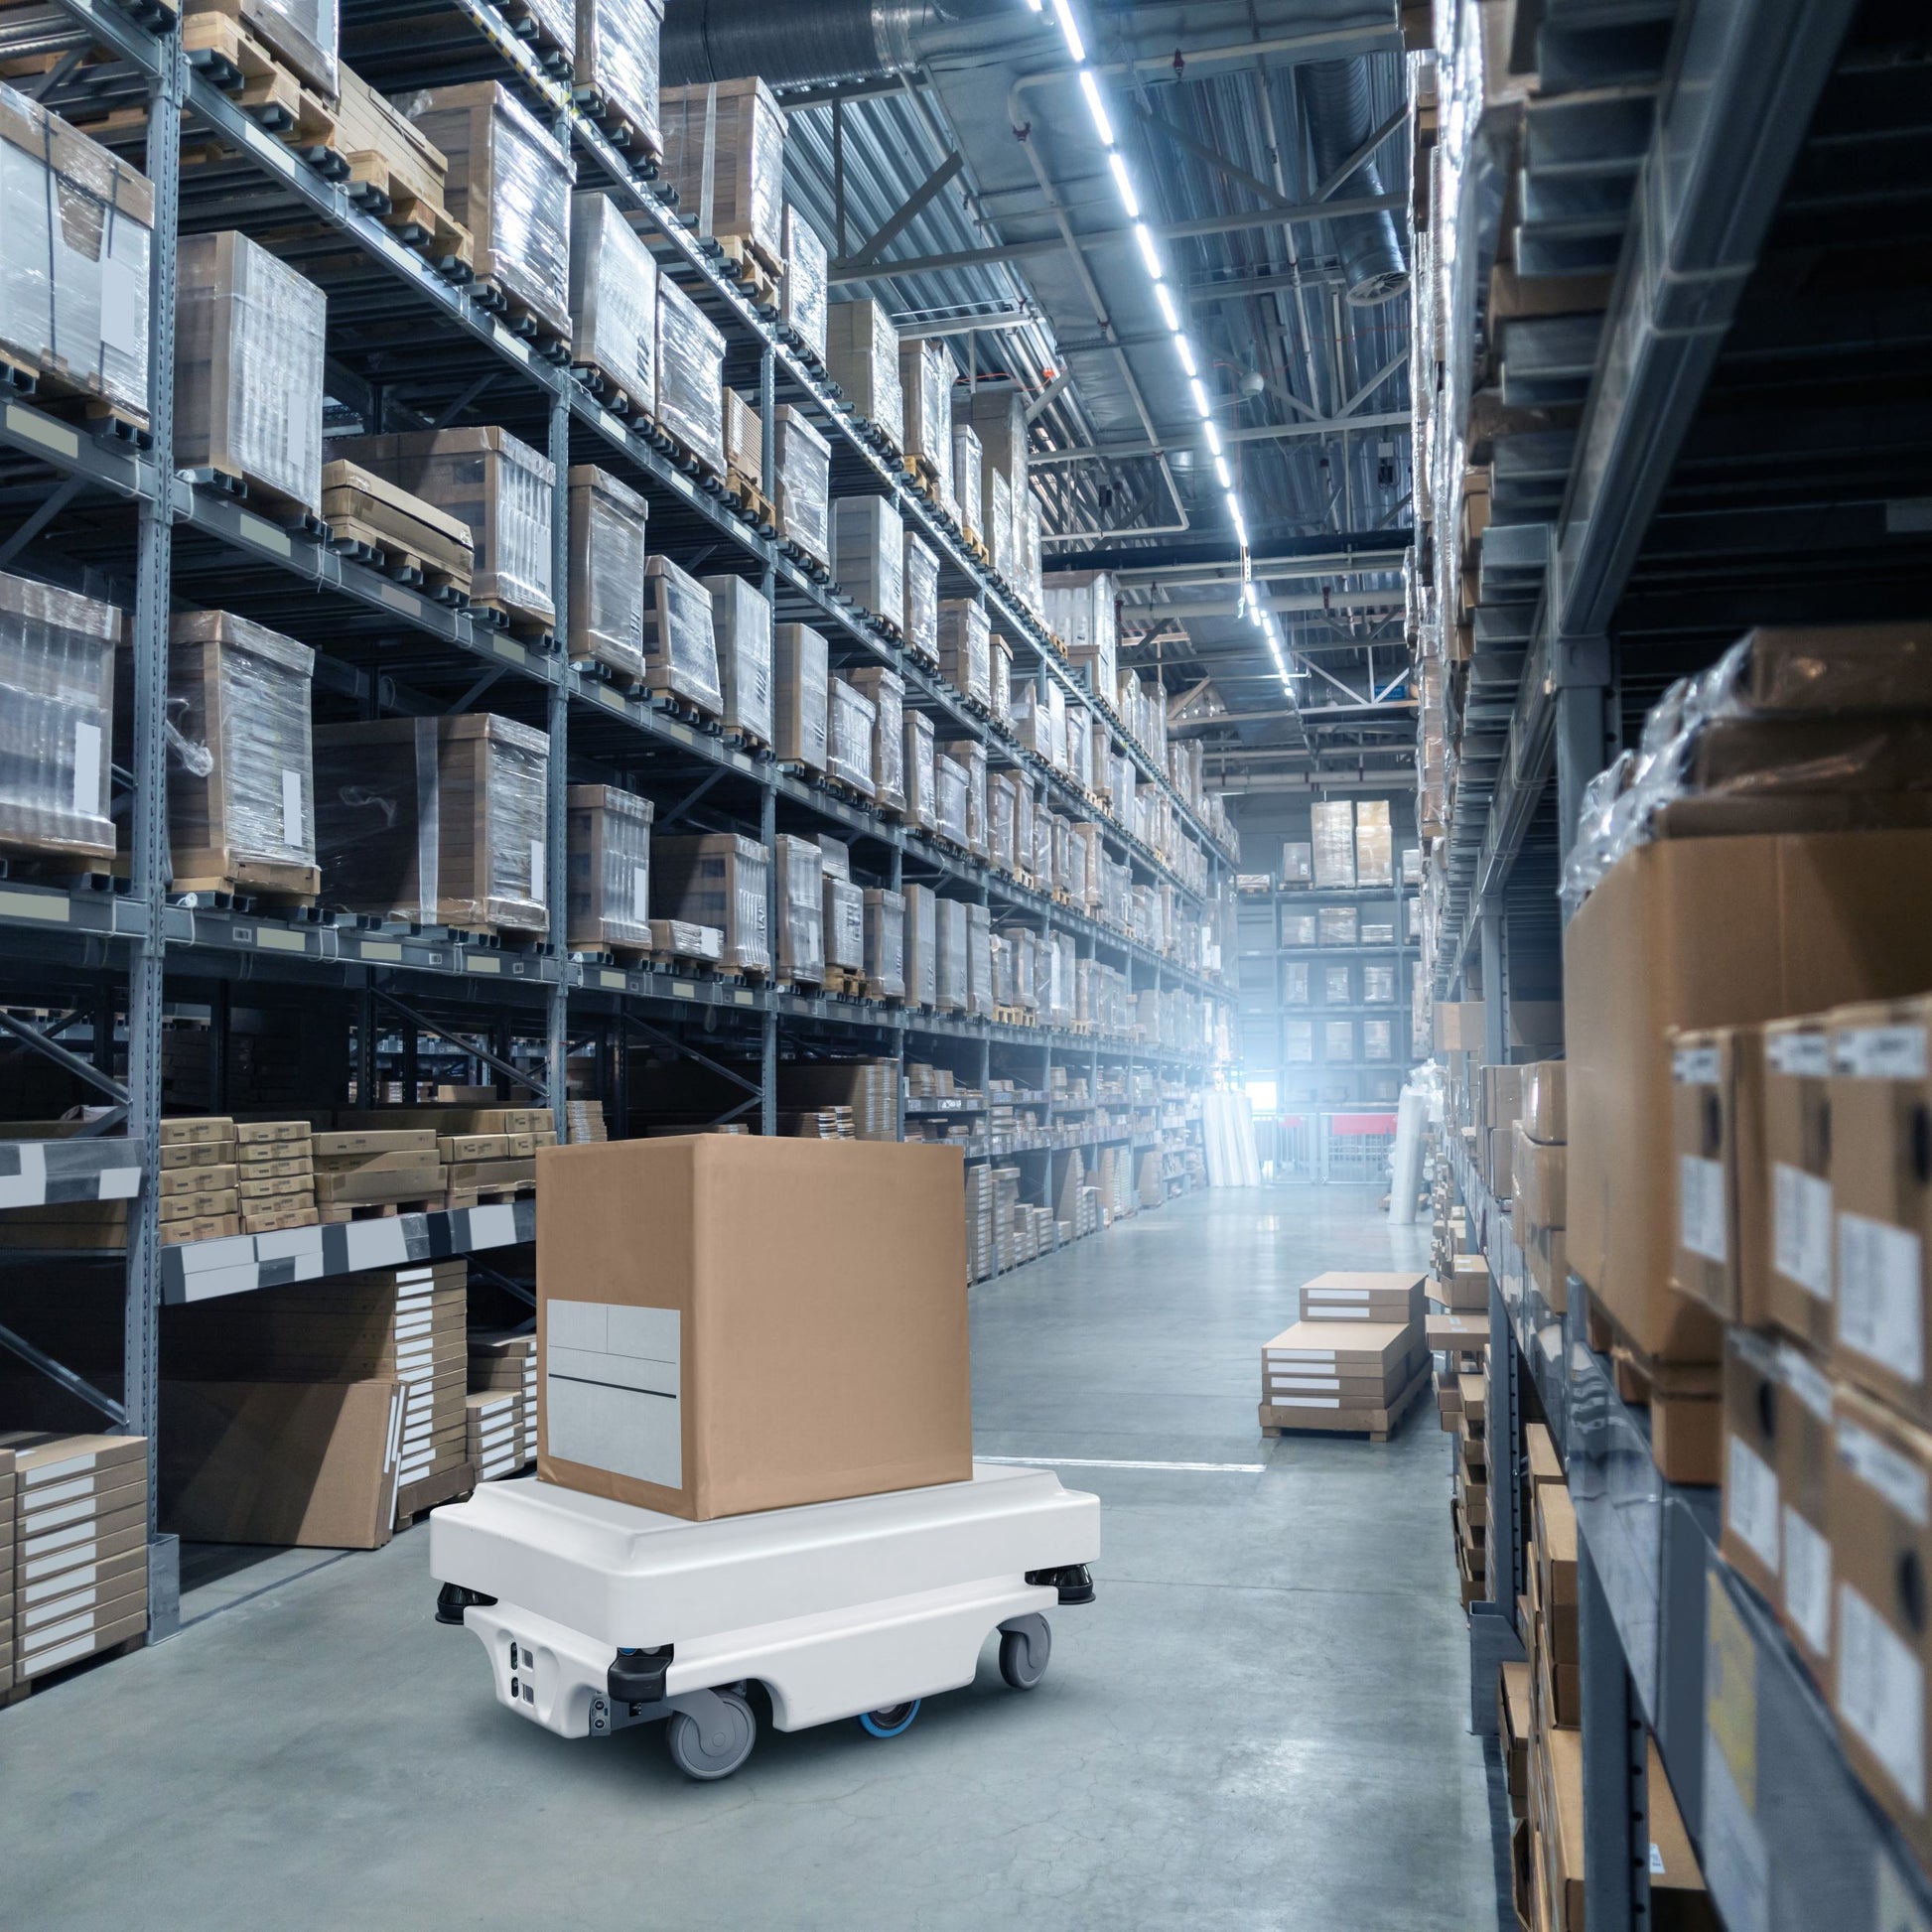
<point>891,1721</point>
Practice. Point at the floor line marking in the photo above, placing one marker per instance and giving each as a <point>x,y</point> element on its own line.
<point>1100,1462</point>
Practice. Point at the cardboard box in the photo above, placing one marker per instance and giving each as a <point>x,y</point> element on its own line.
<point>833,1319</point>
<point>1339,1364</point>
<point>1536,1170</point>
<point>1752,1535</point>
<point>717,880</point>
<point>1882,1200</point>
<point>1513,1731</point>
<point>1793,1256</point>
<point>1465,1286</point>
<point>1501,1144</point>
<point>1341,1296</point>
<point>1457,1333</point>
<point>1697,934</point>
<point>1544,1118</point>
<point>1540,1455</point>
<point>1502,1095</point>
<point>1718,1140</point>
<point>1545,1255</point>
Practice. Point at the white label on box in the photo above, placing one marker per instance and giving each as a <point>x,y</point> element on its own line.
<point>122,305</point>
<point>1801,1228</point>
<point>1656,1860</point>
<point>1752,1501</point>
<point>1336,1293</point>
<point>1808,1581</point>
<point>1880,1466</point>
<point>641,894</point>
<point>1338,1314</point>
<point>1881,1693</point>
<point>1305,1382</point>
<point>87,769</point>
<point>1701,1206</point>
<point>1695,1066</point>
<point>611,1384</point>
<point>1301,1354</point>
<point>1308,1402</point>
<point>1878,1293</point>
<point>536,869</point>
<point>1880,1052</point>
<point>292,809</point>
<point>59,1472</point>
<point>1800,1056</point>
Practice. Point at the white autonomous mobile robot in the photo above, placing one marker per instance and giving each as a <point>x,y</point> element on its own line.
<point>598,1615</point>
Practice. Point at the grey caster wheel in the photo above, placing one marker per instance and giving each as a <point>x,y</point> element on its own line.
<point>1024,1646</point>
<point>714,1748</point>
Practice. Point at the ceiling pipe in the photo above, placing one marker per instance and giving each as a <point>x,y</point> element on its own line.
<point>814,45</point>
<point>1335,104</point>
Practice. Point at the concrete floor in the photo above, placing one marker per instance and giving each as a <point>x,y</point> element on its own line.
<point>1259,1723</point>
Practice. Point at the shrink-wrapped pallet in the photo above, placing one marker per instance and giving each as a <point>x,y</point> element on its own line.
<point>1080,611</point>
<point>1334,837</point>
<point>613,302</point>
<point>921,946</point>
<point>801,910</point>
<point>921,600</point>
<point>724,154</point>
<point>740,619</point>
<point>949,799</point>
<point>803,463</point>
<point>690,368</point>
<point>967,480</point>
<point>966,650</point>
<point>845,925</point>
<point>617,61</point>
<point>969,753</point>
<point>996,518</point>
<point>717,880</point>
<point>57,720</point>
<point>861,356</point>
<point>1001,680</point>
<point>609,869</point>
<point>868,555</point>
<point>1002,812</point>
<point>885,944</point>
<point>887,690</point>
<point>303,35</point>
<point>925,377</point>
<point>800,678</point>
<point>607,554</point>
<point>743,439</point>
<point>1374,843</point>
<point>803,296</point>
<point>852,717</point>
<point>951,989</point>
<point>680,646</point>
<point>979,962</point>
<point>921,799</point>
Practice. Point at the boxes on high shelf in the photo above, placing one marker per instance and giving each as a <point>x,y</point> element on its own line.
<point>724,154</point>
<point>1794,1255</point>
<point>718,880</point>
<point>998,417</point>
<point>844,925</point>
<point>1374,843</point>
<point>435,820</point>
<point>1297,863</point>
<point>868,555</point>
<point>613,302</point>
<point>921,778</point>
<point>802,696</point>
<point>852,720</point>
<point>242,791</point>
<point>801,910</point>
<point>680,644</point>
<point>996,517</point>
<point>690,369</point>
<point>609,869</point>
<point>508,183</point>
<point>74,275</point>
<point>887,690</point>
<point>803,497</point>
<point>1333,835</point>
<point>1717,1172</point>
<point>861,356</point>
<point>802,295</point>
<point>249,379</point>
<point>966,478</point>
<point>926,372</point>
<point>951,949</point>
<point>965,643</point>
<point>617,45</point>
<point>922,579</point>
<point>740,622</point>
<point>608,553</point>
<point>1463,1286</point>
<point>885,945</point>
<point>498,486</point>
<point>361,1167</point>
<point>834,1316</point>
<point>1558,1652</point>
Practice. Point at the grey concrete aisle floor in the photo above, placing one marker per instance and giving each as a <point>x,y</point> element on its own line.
<point>1259,1723</point>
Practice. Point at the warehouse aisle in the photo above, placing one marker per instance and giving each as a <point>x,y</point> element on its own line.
<point>1257,1724</point>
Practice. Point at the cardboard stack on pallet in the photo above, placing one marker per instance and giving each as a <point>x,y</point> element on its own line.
<point>1354,1361</point>
<point>493,1433</point>
<point>364,1169</point>
<point>9,1482</point>
<point>506,1364</point>
<point>275,1175</point>
<point>1469,1505</point>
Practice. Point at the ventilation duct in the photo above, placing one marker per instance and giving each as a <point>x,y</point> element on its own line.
<point>805,43</point>
<point>1334,98</point>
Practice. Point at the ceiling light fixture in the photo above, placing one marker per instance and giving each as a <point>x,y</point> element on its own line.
<point>1070,27</point>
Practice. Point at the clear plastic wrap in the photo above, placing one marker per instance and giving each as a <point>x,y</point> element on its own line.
<point>925,377</point>
<point>609,869</point>
<point>613,296</point>
<point>1299,929</point>
<point>966,649</point>
<point>862,357</point>
<point>801,910</point>
<point>836,855</point>
<point>1002,809</point>
<point>248,353</point>
<point>724,154</point>
<point>1374,843</point>
<point>868,555</point>
<point>485,478</point>
<point>851,719</point>
<point>57,720</point>
<point>1073,867</point>
<point>921,779</point>
<point>303,32</point>
<point>717,879</point>
<point>1080,611</point>
<point>508,183</point>
<point>921,946</point>
<point>435,820</point>
<point>681,646</point>
<point>885,944</point>
<point>1023,814</point>
<point>617,56</point>
<point>1337,925</point>
<point>970,754</point>
<point>1337,1042</point>
<point>1378,1040</point>
<point>804,294</point>
<point>608,553</point>
<point>1337,986</point>
<point>949,788</point>
<point>241,790</point>
<point>997,514</point>
<point>967,483</point>
<point>1076,742</point>
<point>1001,679</point>
<point>741,624</point>
<point>1006,972</point>
<point>887,690</point>
<point>921,600</point>
<point>952,987</point>
<point>1378,986</point>
<point>1295,982</point>
<point>79,230</point>
<point>1334,838</point>
<point>690,368</point>
<point>1297,863</point>
<point>801,699</point>
<point>743,439</point>
<point>979,962</point>
<point>845,925</point>
<point>803,501</point>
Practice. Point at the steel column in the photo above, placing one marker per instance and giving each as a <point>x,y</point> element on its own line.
<point>768,1022</point>
<point>556,824</point>
<point>1616,1796</point>
<point>1495,1018</point>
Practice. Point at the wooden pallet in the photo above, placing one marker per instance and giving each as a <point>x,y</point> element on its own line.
<point>498,1196</point>
<point>267,90</point>
<point>550,336</point>
<point>923,474</point>
<point>253,879</point>
<point>59,390</point>
<point>753,271</point>
<point>533,628</point>
<point>1015,1017</point>
<point>842,982</point>
<point>1378,1425</point>
<point>751,502</point>
<point>674,704</point>
<point>397,176</point>
<point>414,1500</point>
<point>399,533</point>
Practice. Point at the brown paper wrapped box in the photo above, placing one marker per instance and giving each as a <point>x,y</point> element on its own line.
<point>729,1323</point>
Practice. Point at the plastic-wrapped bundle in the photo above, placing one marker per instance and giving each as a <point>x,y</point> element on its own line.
<point>1297,930</point>
<point>885,944</point>
<point>1339,925</point>
<point>951,989</point>
<point>609,869</point>
<point>1020,945</point>
<point>1033,591</point>
<point>1378,986</point>
<point>1002,809</point>
<point>1378,1040</point>
<point>979,962</point>
<point>724,154</point>
<point>921,783</point>
<point>1000,677</point>
<point>1073,867</point>
<point>804,294</point>
<point>743,439</point>
<point>1374,843</point>
<point>617,56</point>
<point>967,483</point>
<point>949,799</point>
<point>1049,841</point>
<point>1064,960</point>
<point>1295,982</point>
<point>921,600</point>
<point>509,184</point>
<point>690,366</point>
<point>802,697</point>
<point>1334,823</point>
<point>970,756</point>
<point>241,790</point>
<point>850,721</point>
<point>868,555</point>
<point>680,646</point>
<point>966,649</point>
<point>1032,718</point>
<point>741,624</point>
<point>435,820</point>
<point>501,488</point>
<point>845,925</point>
<point>302,31</point>
<point>57,720</point>
<point>74,272</point>
<point>1337,985</point>
<point>921,946</point>
<point>717,880</point>
<point>997,514</point>
<point>801,910</point>
<point>248,354</point>
<point>803,499</point>
<point>887,690</point>
<point>1025,810</point>
<point>1080,611</point>
<point>1297,863</point>
<point>612,297</point>
<point>862,357</point>
<point>607,552</point>
<point>1076,743</point>
<point>925,380</point>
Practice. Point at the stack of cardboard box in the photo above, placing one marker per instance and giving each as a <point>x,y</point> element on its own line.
<point>506,1364</point>
<point>200,1194</point>
<point>1469,1505</point>
<point>1354,1361</point>
<point>8,1483</point>
<point>275,1175</point>
<point>1539,1168</point>
<point>493,1433</point>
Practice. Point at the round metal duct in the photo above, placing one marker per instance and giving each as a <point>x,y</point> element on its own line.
<point>1335,96</point>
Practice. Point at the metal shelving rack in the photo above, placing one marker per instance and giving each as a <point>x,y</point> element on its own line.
<point>384,647</point>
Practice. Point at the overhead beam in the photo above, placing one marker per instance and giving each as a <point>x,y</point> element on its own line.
<point>915,203</point>
<point>1350,163</point>
<point>1238,288</point>
<point>1335,426</point>
<point>1271,551</point>
<point>1394,599</point>
<point>1271,196</point>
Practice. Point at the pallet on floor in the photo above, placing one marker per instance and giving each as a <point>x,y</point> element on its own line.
<point>414,1500</point>
<point>1378,1425</point>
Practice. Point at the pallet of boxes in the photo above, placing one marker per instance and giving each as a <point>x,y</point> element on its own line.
<point>1356,1361</point>
<point>501,1405</point>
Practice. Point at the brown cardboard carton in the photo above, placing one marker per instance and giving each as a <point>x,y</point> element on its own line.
<point>805,1293</point>
<point>1754,1422</point>
<point>1503,1149</point>
<point>1718,1140</point>
<point>1543,1110</point>
<point>1341,1295</point>
<point>1502,1095</point>
<point>1513,1731</point>
<point>1545,1465</point>
<point>1465,1286</point>
<point>1881,1198</point>
<point>1695,933</point>
<point>1536,1169</point>
<point>1882,1550</point>
<point>1793,1256</point>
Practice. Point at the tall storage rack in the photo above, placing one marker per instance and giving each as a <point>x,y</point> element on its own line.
<point>385,647</point>
<point>1691,156</point>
